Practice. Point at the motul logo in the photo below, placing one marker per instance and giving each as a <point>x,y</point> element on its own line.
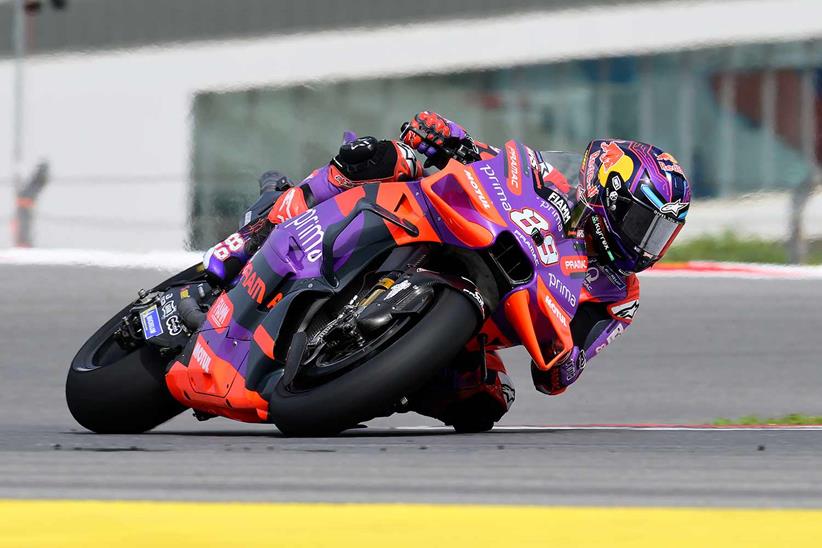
<point>201,357</point>
<point>552,306</point>
<point>477,190</point>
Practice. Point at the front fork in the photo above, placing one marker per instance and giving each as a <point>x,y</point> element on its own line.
<point>401,260</point>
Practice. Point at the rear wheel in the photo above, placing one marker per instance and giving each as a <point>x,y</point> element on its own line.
<point>368,384</point>
<point>112,390</point>
<point>128,396</point>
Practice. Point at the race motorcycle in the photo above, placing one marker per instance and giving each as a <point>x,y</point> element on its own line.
<point>347,310</point>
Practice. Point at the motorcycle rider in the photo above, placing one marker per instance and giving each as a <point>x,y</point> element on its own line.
<point>630,204</point>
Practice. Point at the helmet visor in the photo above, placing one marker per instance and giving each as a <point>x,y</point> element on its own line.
<point>649,231</point>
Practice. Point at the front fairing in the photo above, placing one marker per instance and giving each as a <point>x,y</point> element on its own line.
<point>531,199</point>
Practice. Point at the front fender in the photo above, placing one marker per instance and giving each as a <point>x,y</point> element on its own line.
<point>463,286</point>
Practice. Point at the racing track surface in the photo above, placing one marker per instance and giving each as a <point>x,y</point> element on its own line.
<point>699,349</point>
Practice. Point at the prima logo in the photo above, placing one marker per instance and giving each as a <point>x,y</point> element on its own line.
<point>309,234</point>
<point>555,283</point>
<point>497,186</point>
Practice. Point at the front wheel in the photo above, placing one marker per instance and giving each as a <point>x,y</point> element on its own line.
<point>374,386</point>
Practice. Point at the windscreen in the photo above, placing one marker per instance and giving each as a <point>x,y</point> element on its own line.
<point>567,163</point>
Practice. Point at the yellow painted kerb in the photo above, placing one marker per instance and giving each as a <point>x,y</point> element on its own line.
<point>125,524</point>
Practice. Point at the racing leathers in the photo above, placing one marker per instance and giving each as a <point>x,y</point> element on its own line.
<point>477,385</point>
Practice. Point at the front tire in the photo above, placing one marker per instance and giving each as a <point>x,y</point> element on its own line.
<point>371,389</point>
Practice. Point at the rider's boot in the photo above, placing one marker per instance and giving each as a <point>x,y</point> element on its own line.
<point>273,184</point>
<point>225,260</point>
<point>470,395</point>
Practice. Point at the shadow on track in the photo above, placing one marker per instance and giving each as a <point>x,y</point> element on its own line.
<point>361,432</point>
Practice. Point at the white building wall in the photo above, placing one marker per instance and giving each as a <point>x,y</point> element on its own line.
<point>115,126</point>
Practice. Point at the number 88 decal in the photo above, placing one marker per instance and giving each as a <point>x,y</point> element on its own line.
<point>230,245</point>
<point>528,219</point>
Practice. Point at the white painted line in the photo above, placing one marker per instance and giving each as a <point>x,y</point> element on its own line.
<point>160,260</point>
<point>711,269</point>
<point>625,427</point>
<point>810,274</point>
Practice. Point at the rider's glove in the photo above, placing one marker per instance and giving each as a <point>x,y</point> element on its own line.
<point>561,375</point>
<point>429,131</point>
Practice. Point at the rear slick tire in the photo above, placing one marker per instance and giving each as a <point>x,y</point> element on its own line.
<point>375,386</point>
<point>127,395</point>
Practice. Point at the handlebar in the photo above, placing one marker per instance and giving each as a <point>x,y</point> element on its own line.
<point>463,150</point>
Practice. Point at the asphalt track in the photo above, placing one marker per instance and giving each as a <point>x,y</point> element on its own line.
<point>699,349</point>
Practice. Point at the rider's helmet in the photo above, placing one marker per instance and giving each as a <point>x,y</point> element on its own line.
<point>633,199</point>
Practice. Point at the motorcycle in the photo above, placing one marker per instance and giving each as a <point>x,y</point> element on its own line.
<point>347,310</point>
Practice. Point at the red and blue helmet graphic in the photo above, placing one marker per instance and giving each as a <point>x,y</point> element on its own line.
<point>637,197</point>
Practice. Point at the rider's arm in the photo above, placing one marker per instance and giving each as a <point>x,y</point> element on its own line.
<point>358,162</point>
<point>362,161</point>
<point>595,325</point>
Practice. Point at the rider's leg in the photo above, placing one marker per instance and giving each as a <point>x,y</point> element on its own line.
<point>358,162</point>
<point>471,394</point>
<point>225,260</point>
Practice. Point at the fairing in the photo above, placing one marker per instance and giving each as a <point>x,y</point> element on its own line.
<point>233,361</point>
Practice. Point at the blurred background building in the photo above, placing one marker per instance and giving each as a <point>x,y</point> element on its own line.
<point>157,116</point>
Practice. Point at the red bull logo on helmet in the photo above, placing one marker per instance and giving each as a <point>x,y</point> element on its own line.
<point>667,162</point>
<point>611,154</point>
<point>614,159</point>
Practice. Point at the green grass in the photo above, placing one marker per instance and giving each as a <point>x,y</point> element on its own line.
<point>728,246</point>
<point>792,419</point>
